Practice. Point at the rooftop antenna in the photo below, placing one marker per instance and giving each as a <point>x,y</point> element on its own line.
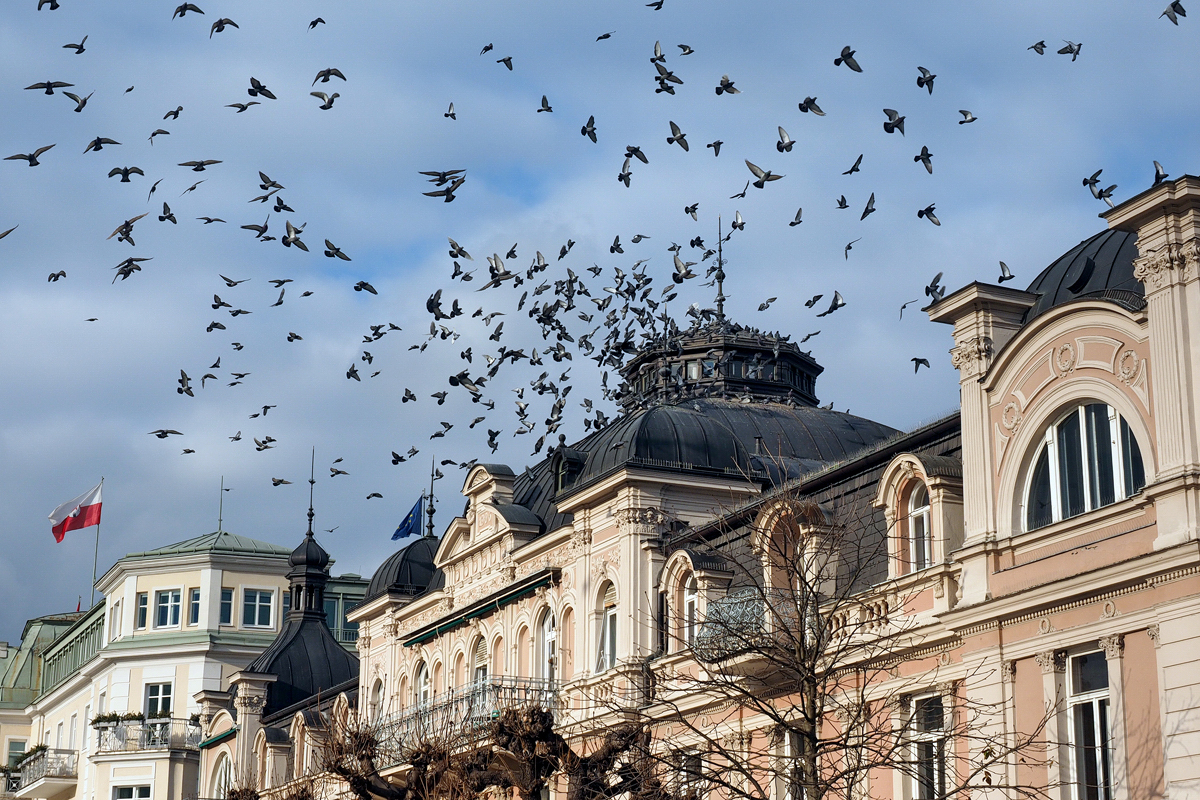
<point>221,506</point>
<point>720,275</point>
<point>312,481</point>
<point>429,508</point>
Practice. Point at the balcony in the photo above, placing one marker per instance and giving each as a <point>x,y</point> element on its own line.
<point>155,734</point>
<point>744,622</point>
<point>48,773</point>
<point>345,635</point>
<point>9,783</point>
<point>462,718</point>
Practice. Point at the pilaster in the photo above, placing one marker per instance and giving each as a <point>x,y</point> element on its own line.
<point>1114,652</point>
<point>249,701</point>
<point>1058,751</point>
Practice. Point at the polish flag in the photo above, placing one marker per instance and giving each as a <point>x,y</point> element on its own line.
<point>82,512</point>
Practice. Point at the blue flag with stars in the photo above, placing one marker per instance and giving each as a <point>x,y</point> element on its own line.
<point>411,523</point>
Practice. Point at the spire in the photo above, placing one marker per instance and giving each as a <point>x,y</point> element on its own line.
<point>720,276</point>
<point>429,506</point>
<point>312,481</point>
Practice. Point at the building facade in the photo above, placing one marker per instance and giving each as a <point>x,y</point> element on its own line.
<point>1036,554</point>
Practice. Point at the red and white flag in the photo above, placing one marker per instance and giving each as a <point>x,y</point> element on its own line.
<point>82,512</point>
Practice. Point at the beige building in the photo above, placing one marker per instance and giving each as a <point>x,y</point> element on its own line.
<point>101,705</point>
<point>1037,553</point>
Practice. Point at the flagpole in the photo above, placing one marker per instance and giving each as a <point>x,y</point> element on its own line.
<point>221,506</point>
<point>96,555</point>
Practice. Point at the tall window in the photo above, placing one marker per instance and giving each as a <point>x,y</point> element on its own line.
<point>929,748</point>
<point>1090,741</point>
<point>691,605</point>
<point>479,661</point>
<point>376,700</point>
<point>920,543</point>
<point>166,608</point>
<point>226,606</point>
<point>606,652</point>
<point>193,606</point>
<point>143,609</point>
<point>1089,459</point>
<point>114,622</point>
<point>16,749</point>
<point>73,731</point>
<point>256,608</point>
<point>422,685</point>
<point>548,645</point>
<point>158,699</point>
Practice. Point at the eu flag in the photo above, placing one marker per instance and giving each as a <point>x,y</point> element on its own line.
<point>411,523</point>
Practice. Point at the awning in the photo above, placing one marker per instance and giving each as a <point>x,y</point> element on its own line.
<point>487,605</point>
<point>220,737</point>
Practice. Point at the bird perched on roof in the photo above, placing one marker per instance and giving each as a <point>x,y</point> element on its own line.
<point>925,79</point>
<point>847,58</point>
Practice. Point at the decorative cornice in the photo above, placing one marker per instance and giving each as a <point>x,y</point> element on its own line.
<point>1051,661</point>
<point>1157,268</point>
<point>972,357</point>
<point>1113,645</point>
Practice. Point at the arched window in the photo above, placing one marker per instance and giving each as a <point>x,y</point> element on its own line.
<point>479,661</point>
<point>222,780</point>
<point>606,652</point>
<point>422,685</point>
<point>920,541</point>
<point>691,610</point>
<point>376,708</point>
<point>1088,459</point>
<point>548,648</point>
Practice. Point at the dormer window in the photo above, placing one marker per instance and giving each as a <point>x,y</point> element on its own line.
<point>920,542</point>
<point>1088,459</point>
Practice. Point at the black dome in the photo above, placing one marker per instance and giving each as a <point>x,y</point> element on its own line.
<point>1112,252</point>
<point>309,554</point>
<point>305,659</point>
<point>409,570</point>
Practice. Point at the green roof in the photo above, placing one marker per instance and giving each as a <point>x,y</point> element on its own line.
<point>219,542</point>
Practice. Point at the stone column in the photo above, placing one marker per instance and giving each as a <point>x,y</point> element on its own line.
<point>249,702</point>
<point>1114,651</point>
<point>1058,751</point>
<point>1167,222</point>
<point>985,319</point>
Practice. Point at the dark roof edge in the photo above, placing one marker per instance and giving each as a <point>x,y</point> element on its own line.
<point>312,700</point>
<point>509,593</point>
<point>869,456</point>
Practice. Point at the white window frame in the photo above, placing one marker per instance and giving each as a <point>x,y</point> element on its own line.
<point>222,619</point>
<point>134,792</point>
<point>9,752</point>
<point>422,685</point>
<point>158,696</point>
<point>940,740</point>
<point>1049,443</point>
<point>691,609</point>
<point>271,594</point>
<point>72,731</point>
<point>480,660</point>
<point>114,621</point>
<point>606,649</point>
<point>1101,704</point>
<point>194,606</point>
<point>173,607</point>
<point>920,553</point>
<point>548,646</point>
<point>141,613</point>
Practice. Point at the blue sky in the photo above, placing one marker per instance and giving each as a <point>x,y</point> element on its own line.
<point>77,398</point>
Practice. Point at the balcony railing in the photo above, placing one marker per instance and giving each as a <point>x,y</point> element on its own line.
<point>155,734</point>
<point>345,635</point>
<point>746,620</point>
<point>9,783</point>
<point>49,764</point>
<point>463,717</point>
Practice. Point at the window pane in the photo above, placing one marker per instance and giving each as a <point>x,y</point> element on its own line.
<point>194,607</point>
<point>227,606</point>
<point>920,540</point>
<point>1039,510</point>
<point>248,607</point>
<point>1135,475</point>
<point>1070,467</point>
<point>331,615</point>
<point>1101,488</point>
<point>264,608</point>
<point>930,715</point>
<point>1089,673</point>
<point>1087,753</point>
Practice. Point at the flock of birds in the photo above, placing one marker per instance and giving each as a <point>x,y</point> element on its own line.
<point>605,315</point>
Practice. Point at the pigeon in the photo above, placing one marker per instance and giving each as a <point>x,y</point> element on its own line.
<point>1038,47</point>
<point>32,158</point>
<point>918,363</point>
<point>625,174</point>
<point>243,106</point>
<point>906,305</point>
<point>763,176</point>
<point>763,306</point>
<point>98,143</point>
<point>164,433</point>
<point>967,116</point>
<point>486,48</point>
<point>450,112</point>
<point>687,51</point>
<point>199,166</point>
<point>280,482</point>
<point>691,210</point>
<point>841,202</point>
<point>925,79</point>
<point>374,494</point>
<point>55,276</point>
<point>7,232</point>
<point>604,36</point>
<point>870,207</point>
<point>784,145</point>
<point>849,246</point>
<point>935,290</point>
<point>677,137</point>
<point>332,251</point>
<point>658,56</point>
<point>742,193</point>
<point>545,105</point>
<point>363,286</point>
<point>808,336</point>
<point>589,129</point>
<point>78,48</point>
<point>1005,273</point>
<point>726,87</point>
<point>50,86</point>
<point>1160,174</point>
<point>220,25</point>
<point>855,166</point>
<point>125,172</point>
<point>716,147</point>
<point>183,9</point>
<point>173,114</point>
<point>1173,12</point>
<point>847,58</point>
<point>353,373</point>
<point>895,121</point>
<point>506,61</point>
<point>334,471</point>
<point>326,99</point>
<point>797,220</point>
<point>632,151</point>
<point>927,213</point>
<point>257,89</point>
<point>615,247</point>
<point>1092,182</point>
<point>80,102</point>
<point>324,75</point>
<point>926,158</point>
<point>810,104</point>
<point>167,215</point>
<point>837,303</point>
<point>1071,49</point>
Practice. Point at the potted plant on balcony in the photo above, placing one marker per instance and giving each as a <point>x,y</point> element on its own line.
<point>105,721</point>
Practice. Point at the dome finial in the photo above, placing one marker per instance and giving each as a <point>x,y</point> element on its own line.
<point>312,481</point>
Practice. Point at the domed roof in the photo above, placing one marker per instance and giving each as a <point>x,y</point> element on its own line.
<point>305,659</point>
<point>308,555</point>
<point>1112,252</point>
<point>409,570</point>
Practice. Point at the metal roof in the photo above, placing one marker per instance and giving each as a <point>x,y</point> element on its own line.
<point>1112,252</point>
<point>217,542</point>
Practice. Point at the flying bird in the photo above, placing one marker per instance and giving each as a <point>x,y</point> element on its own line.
<point>677,137</point>
<point>604,36</point>
<point>1038,47</point>
<point>219,26</point>
<point>332,251</point>
<point>32,158</point>
<point>763,176</point>
<point>1173,12</point>
<point>589,129</point>
<point>98,143</point>
<point>926,158</point>
<point>869,209</point>
<point>841,202</point>
<point>1005,273</point>
<point>927,213</point>
<point>785,143</point>
<point>918,363</point>
<point>164,433</point>
<point>837,303</point>
<point>1071,49</point>
<point>78,48</point>
<point>1160,174</point>
<point>125,172</point>
<point>243,106</point>
<point>257,89</point>
<point>280,482</point>
<point>855,166</point>
<point>324,75</point>
<point>506,61</point>
<point>810,104</point>
<point>199,166</point>
<point>925,79</point>
<point>847,58</point>
<point>895,121</point>
<point>726,87</point>
<point>797,220</point>
<point>326,99</point>
<point>315,23</point>
<point>80,102</point>
<point>716,147</point>
<point>450,112</point>
<point>50,86</point>
<point>849,246</point>
<point>173,114</point>
<point>967,116</point>
<point>183,9</point>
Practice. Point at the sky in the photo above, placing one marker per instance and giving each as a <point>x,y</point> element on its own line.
<point>78,397</point>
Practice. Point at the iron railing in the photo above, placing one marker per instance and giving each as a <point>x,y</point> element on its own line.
<point>463,717</point>
<point>51,763</point>
<point>153,734</point>
<point>345,635</point>
<point>9,783</point>
<point>745,620</point>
